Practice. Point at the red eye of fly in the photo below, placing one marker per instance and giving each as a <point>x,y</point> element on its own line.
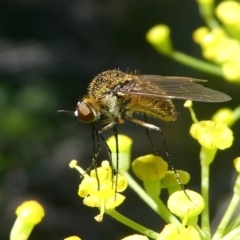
<point>84,113</point>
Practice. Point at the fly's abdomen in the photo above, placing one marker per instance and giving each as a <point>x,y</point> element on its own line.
<point>161,108</point>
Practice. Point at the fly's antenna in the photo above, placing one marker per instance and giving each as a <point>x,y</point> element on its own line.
<point>72,113</point>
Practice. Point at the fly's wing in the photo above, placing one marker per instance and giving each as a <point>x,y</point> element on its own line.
<point>157,86</point>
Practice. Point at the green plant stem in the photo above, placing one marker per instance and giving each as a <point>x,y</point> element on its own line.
<point>236,114</point>
<point>119,217</point>
<point>233,235</point>
<point>196,63</point>
<point>206,157</point>
<point>206,12</point>
<point>226,218</point>
<point>205,224</point>
<point>156,205</point>
<point>234,224</point>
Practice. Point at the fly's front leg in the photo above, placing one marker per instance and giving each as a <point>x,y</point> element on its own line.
<point>96,151</point>
<point>112,125</point>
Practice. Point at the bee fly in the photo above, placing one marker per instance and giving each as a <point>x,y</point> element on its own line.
<point>116,96</point>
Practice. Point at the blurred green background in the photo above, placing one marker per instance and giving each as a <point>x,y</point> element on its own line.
<point>49,52</point>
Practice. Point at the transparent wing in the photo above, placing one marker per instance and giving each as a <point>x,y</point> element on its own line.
<point>157,86</point>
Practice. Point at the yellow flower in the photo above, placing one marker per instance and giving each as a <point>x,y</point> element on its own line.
<point>229,12</point>
<point>231,69</point>
<point>183,205</point>
<point>173,232</point>
<point>200,34</point>
<point>150,167</point>
<point>100,188</point>
<point>212,135</point>
<point>135,237</point>
<point>72,238</point>
<point>170,180</point>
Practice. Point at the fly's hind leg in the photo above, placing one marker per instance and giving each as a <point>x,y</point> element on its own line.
<point>170,161</point>
<point>149,137</point>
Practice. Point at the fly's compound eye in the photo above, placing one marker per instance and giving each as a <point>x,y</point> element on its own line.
<point>84,113</point>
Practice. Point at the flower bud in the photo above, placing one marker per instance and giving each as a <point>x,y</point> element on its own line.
<point>159,37</point>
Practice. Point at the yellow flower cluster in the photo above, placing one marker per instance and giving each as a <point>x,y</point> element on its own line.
<point>221,45</point>
<point>100,188</point>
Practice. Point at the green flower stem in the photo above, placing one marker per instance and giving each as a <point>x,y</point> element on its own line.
<point>193,115</point>
<point>205,190</point>
<point>119,217</point>
<point>206,157</point>
<point>152,188</point>
<point>156,205</point>
<point>208,16</point>
<point>196,63</point>
<point>236,114</point>
<point>234,234</point>
<point>234,224</point>
<point>202,234</point>
<point>226,218</point>
<point>21,230</point>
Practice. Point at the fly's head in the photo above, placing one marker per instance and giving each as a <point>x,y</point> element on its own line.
<point>87,110</point>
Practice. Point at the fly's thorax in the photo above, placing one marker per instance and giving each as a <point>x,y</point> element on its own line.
<point>114,106</point>
<point>161,108</point>
<point>107,81</point>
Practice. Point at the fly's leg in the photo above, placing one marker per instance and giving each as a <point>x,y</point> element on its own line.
<point>170,161</point>
<point>149,138</point>
<point>114,126</point>
<point>96,151</point>
<point>107,127</point>
<point>115,131</point>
